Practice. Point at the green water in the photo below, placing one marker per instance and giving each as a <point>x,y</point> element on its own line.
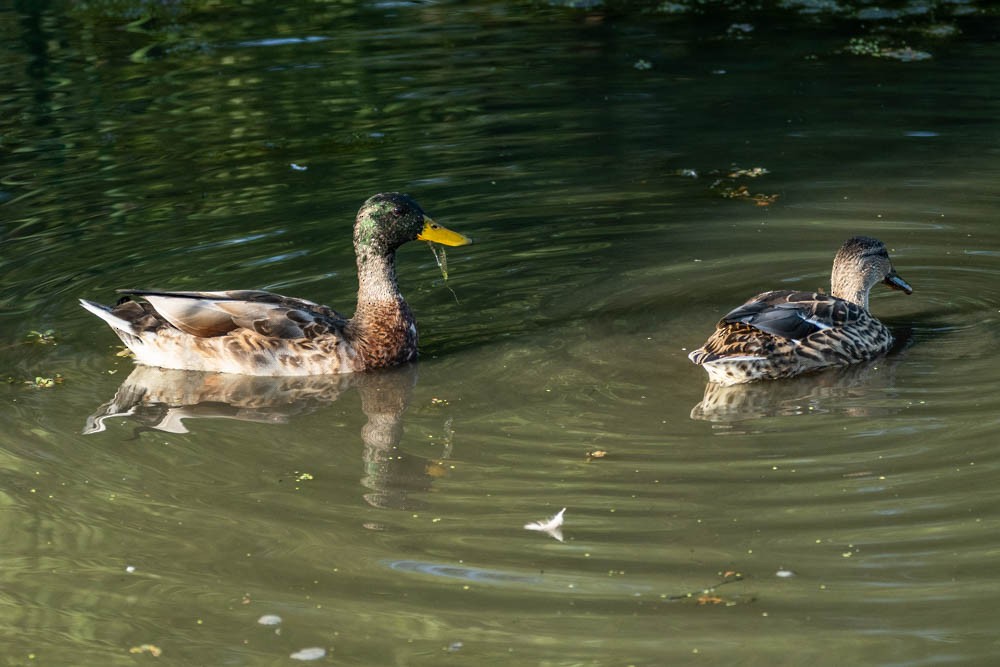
<point>849,518</point>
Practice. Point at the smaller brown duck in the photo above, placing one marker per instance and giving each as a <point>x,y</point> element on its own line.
<point>252,332</point>
<point>785,333</point>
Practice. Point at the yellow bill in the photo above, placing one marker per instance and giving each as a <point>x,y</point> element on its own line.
<point>434,232</point>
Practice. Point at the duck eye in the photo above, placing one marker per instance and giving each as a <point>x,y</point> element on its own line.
<point>398,211</point>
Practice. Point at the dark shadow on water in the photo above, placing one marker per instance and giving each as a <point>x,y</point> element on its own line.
<point>163,400</point>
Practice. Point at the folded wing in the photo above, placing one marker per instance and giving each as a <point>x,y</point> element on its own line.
<point>208,314</point>
<point>793,315</point>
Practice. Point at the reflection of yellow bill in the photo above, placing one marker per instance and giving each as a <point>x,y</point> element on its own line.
<point>432,231</point>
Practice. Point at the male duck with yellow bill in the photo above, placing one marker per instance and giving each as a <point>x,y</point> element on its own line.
<point>253,332</point>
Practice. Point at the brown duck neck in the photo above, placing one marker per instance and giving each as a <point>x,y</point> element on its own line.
<point>383,326</point>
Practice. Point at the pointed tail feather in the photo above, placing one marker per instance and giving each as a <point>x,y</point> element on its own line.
<point>701,356</point>
<point>104,312</point>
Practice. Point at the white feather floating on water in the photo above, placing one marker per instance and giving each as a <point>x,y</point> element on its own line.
<point>552,526</point>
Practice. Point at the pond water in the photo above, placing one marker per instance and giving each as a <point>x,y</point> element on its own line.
<point>629,175</point>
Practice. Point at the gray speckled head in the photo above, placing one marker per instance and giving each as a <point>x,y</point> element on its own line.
<point>861,262</point>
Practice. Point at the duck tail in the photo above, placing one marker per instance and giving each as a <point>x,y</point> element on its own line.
<point>106,314</point>
<point>701,356</point>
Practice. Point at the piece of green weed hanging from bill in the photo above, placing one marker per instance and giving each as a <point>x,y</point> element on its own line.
<point>441,257</point>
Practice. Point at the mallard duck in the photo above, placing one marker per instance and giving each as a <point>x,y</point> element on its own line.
<point>253,332</point>
<point>784,333</point>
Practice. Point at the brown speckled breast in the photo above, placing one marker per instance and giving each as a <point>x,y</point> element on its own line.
<point>384,335</point>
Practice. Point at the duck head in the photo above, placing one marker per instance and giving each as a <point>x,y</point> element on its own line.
<point>861,263</point>
<point>390,219</point>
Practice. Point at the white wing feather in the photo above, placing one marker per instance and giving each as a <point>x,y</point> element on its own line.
<point>552,525</point>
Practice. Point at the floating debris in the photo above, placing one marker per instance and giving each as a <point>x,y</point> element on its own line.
<point>596,454</point>
<point>269,619</point>
<point>743,192</point>
<point>47,337</point>
<point>726,187</point>
<point>311,653</point>
<point>552,526</point>
<point>862,46</point>
<point>709,596</point>
<point>151,649</point>
<point>905,54</point>
<point>753,172</point>
<point>298,167</point>
<point>764,200</point>
<point>43,382</point>
<point>642,65</point>
<point>784,574</point>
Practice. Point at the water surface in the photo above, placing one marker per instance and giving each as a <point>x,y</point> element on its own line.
<point>597,157</point>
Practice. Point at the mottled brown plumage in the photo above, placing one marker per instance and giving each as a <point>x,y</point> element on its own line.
<point>785,333</point>
<point>253,332</point>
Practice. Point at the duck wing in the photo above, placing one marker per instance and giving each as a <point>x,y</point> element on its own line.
<point>208,314</point>
<point>793,315</point>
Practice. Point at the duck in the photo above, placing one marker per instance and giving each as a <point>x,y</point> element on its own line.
<point>785,333</point>
<point>255,332</point>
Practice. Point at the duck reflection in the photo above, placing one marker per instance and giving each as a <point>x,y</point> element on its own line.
<point>844,390</point>
<point>831,391</point>
<point>162,400</point>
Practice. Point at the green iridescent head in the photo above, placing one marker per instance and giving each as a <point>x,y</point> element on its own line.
<point>390,219</point>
